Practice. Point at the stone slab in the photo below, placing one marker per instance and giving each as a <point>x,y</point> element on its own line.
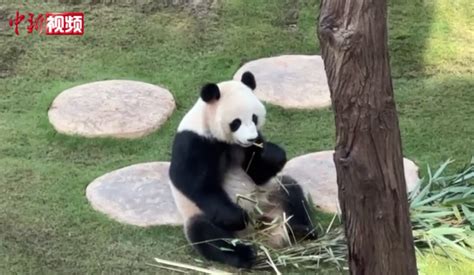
<point>290,81</point>
<point>111,108</point>
<point>139,195</point>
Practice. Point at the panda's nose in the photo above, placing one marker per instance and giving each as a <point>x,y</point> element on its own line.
<point>251,139</point>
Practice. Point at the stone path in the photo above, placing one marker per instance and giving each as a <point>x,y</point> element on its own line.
<point>290,81</point>
<point>317,174</point>
<point>137,194</point>
<point>112,108</point>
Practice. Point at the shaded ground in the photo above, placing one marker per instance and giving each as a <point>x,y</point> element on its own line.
<point>46,224</point>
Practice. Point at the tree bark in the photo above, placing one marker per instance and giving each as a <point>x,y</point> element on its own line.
<point>368,154</point>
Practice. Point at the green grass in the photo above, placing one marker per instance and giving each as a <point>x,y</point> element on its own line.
<point>46,223</point>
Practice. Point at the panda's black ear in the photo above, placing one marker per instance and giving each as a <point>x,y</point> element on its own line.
<point>210,92</point>
<point>249,80</point>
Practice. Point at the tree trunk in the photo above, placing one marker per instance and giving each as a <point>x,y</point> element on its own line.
<point>368,156</point>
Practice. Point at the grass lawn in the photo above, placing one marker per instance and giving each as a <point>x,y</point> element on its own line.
<point>46,223</point>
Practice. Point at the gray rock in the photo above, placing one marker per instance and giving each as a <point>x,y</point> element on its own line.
<point>316,173</point>
<point>112,108</point>
<point>290,81</point>
<point>138,195</point>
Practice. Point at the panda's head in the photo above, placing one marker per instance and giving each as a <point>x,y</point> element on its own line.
<point>232,112</point>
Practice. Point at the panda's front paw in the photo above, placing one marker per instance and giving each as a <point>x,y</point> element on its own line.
<point>232,219</point>
<point>274,155</point>
<point>243,256</point>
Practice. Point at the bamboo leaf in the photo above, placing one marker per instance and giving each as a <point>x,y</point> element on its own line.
<point>446,231</point>
<point>433,215</point>
<point>455,201</point>
<point>430,199</point>
<point>469,214</point>
<point>468,193</point>
<point>442,168</point>
<point>456,213</point>
<point>465,177</point>
<point>421,195</point>
<point>457,247</point>
<point>430,176</point>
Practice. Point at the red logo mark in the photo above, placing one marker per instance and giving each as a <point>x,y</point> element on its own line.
<point>18,18</point>
<point>35,23</point>
<point>63,23</point>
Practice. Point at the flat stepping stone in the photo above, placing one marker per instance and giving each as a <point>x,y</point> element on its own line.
<point>111,108</point>
<point>290,81</point>
<point>139,195</point>
<point>316,173</point>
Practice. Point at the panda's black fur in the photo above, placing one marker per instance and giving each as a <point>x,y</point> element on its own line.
<point>198,168</point>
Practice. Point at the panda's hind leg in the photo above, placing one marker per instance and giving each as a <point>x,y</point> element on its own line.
<point>296,205</point>
<point>214,243</point>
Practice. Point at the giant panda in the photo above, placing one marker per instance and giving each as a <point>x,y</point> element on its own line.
<point>215,158</point>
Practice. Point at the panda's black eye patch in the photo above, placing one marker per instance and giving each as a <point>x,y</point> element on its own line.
<point>255,119</point>
<point>235,124</point>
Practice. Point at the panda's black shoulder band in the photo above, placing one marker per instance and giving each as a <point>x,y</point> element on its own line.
<point>210,92</point>
<point>249,80</point>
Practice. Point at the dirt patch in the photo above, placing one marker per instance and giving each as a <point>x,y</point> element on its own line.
<point>4,27</point>
<point>73,2</point>
<point>291,14</point>
<point>198,7</point>
<point>9,56</point>
<point>202,8</point>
